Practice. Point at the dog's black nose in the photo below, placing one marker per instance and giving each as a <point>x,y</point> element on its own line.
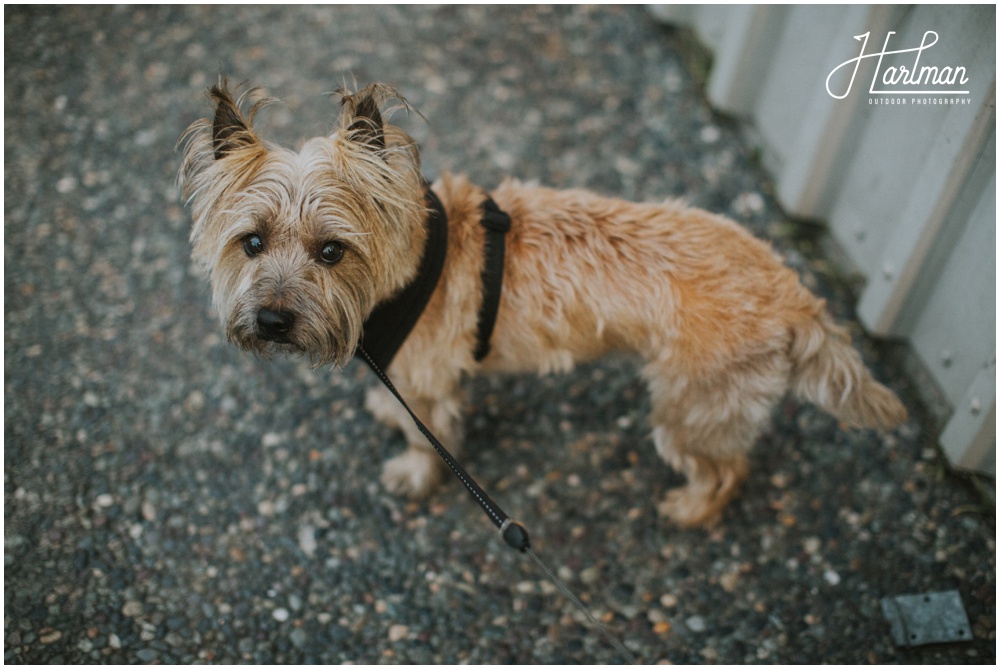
<point>274,325</point>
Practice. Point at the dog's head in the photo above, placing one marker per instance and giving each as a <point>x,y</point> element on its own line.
<point>300,246</point>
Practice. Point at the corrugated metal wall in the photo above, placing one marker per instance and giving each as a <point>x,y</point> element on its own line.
<point>904,174</point>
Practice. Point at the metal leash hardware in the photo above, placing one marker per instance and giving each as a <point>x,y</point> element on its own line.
<point>513,533</point>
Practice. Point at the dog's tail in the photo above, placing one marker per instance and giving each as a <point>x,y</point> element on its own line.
<point>827,370</point>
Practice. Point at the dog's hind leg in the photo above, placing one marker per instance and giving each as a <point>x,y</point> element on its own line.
<point>712,481</point>
<point>704,428</point>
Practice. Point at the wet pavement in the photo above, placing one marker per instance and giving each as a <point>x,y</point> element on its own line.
<point>169,499</point>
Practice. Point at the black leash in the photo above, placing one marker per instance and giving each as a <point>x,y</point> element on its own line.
<point>514,534</point>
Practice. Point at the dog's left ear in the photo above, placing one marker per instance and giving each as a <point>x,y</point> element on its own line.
<point>366,126</point>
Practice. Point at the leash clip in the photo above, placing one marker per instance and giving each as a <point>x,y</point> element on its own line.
<point>515,535</point>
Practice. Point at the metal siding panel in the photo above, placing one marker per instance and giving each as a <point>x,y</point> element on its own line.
<point>792,80</point>
<point>956,329</point>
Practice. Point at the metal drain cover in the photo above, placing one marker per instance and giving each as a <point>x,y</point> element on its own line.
<point>933,617</point>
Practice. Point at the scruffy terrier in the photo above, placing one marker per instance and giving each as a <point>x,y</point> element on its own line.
<point>301,247</point>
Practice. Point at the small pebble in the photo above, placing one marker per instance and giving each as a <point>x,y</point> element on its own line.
<point>656,616</point>
<point>729,581</point>
<point>132,609</point>
<point>696,624</point>
<point>66,185</point>
<point>709,134</point>
<point>307,540</point>
<point>749,203</point>
<point>50,637</point>
<point>148,655</point>
<point>145,138</point>
<point>398,632</point>
<point>526,587</point>
<point>272,439</point>
<point>298,638</point>
<point>280,614</point>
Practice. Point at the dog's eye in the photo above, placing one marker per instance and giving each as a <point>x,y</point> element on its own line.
<point>253,245</point>
<point>331,253</point>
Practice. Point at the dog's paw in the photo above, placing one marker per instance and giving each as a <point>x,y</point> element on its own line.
<point>415,473</point>
<point>687,508</point>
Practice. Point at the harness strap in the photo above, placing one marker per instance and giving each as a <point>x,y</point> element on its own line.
<point>497,224</point>
<point>388,326</point>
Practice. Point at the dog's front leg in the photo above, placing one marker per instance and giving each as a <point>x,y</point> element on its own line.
<point>419,469</point>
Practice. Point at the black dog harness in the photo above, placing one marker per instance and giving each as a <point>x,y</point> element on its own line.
<point>391,322</point>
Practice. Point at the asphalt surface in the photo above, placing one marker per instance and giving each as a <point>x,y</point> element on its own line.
<point>169,499</point>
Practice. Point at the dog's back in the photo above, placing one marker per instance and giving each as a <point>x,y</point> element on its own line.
<point>725,327</point>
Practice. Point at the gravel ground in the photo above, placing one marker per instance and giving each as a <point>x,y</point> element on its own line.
<point>169,499</point>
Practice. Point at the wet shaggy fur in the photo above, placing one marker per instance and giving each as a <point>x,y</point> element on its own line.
<point>724,328</point>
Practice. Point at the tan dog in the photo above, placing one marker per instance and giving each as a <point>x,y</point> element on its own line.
<point>300,247</point>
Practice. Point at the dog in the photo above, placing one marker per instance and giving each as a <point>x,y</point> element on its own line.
<point>301,247</point>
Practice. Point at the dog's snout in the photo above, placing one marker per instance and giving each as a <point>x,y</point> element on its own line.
<point>274,325</point>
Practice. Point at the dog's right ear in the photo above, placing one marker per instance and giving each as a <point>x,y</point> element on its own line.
<point>230,129</point>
